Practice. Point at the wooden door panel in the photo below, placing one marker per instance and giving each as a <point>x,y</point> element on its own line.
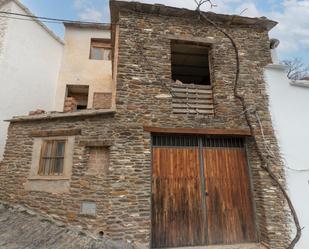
<point>176,198</point>
<point>229,205</point>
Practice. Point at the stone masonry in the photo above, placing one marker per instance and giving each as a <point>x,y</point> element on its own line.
<point>123,193</point>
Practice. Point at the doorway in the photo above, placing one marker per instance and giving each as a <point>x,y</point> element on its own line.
<point>201,192</point>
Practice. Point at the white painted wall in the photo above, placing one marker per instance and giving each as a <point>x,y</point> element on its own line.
<point>78,69</point>
<point>290,113</point>
<point>29,70</point>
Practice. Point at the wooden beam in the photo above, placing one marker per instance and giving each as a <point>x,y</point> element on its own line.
<point>189,66</point>
<point>199,131</point>
<point>190,54</point>
<point>96,143</point>
<point>56,133</point>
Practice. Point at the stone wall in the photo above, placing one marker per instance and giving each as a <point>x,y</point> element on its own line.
<point>140,81</point>
<point>84,186</point>
<point>123,195</point>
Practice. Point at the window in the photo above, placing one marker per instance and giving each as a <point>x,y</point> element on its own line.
<point>52,158</point>
<point>190,63</point>
<point>77,97</point>
<point>100,49</point>
<point>98,162</point>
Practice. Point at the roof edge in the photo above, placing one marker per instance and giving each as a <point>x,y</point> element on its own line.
<point>28,11</point>
<point>102,26</point>
<point>160,9</point>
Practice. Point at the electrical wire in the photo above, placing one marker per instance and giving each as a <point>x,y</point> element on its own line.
<point>25,19</point>
<point>42,18</point>
<point>269,150</point>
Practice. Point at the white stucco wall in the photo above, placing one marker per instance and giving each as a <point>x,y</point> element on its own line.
<point>78,69</point>
<point>29,70</point>
<point>289,108</point>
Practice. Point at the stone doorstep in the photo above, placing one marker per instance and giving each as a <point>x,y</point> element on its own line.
<point>236,246</point>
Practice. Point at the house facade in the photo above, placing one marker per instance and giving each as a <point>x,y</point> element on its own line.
<point>173,162</point>
<point>86,68</point>
<point>291,129</point>
<point>29,65</point>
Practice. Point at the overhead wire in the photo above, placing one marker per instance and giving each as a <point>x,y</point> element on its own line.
<point>27,19</point>
<point>44,19</point>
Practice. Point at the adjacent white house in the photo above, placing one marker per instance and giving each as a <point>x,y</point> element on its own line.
<point>289,103</point>
<point>30,58</point>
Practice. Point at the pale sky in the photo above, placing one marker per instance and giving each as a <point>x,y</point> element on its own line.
<point>292,15</point>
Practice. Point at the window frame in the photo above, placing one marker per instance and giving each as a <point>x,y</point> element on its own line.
<point>52,158</point>
<point>193,42</point>
<point>104,44</point>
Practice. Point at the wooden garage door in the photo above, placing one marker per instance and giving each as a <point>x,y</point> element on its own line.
<point>230,217</point>
<point>200,192</point>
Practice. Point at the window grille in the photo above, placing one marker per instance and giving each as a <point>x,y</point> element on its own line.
<point>162,140</point>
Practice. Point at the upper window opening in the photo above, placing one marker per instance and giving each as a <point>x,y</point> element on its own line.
<point>78,93</point>
<point>100,49</point>
<point>190,63</point>
<point>52,158</point>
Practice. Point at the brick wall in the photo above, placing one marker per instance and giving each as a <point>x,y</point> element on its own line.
<point>123,195</point>
<point>102,100</point>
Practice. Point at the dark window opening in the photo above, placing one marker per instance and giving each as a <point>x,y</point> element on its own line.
<point>79,93</point>
<point>190,63</point>
<point>100,49</point>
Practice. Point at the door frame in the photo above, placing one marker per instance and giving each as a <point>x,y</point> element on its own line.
<point>249,166</point>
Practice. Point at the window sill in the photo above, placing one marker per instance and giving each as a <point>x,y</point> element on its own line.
<point>49,178</point>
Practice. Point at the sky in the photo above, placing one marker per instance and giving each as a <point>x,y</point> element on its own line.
<point>292,15</point>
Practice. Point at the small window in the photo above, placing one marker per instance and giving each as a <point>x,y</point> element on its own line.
<point>52,158</point>
<point>77,97</point>
<point>190,63</point>
<point>100,49</point>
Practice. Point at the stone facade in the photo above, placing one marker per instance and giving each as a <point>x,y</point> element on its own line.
<point>123,194</point>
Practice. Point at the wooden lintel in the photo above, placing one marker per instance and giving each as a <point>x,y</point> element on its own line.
<point>96,143</point>
<point>199,131</point>
<point>56,133</point>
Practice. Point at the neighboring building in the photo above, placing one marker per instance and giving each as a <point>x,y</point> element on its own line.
<point>30,57</point>
<point>86,70</point>
<point>173,162</point>
<point>289,108</point>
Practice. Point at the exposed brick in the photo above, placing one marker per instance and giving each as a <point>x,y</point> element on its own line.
<point>70,104</point>
<point>102,100</point>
